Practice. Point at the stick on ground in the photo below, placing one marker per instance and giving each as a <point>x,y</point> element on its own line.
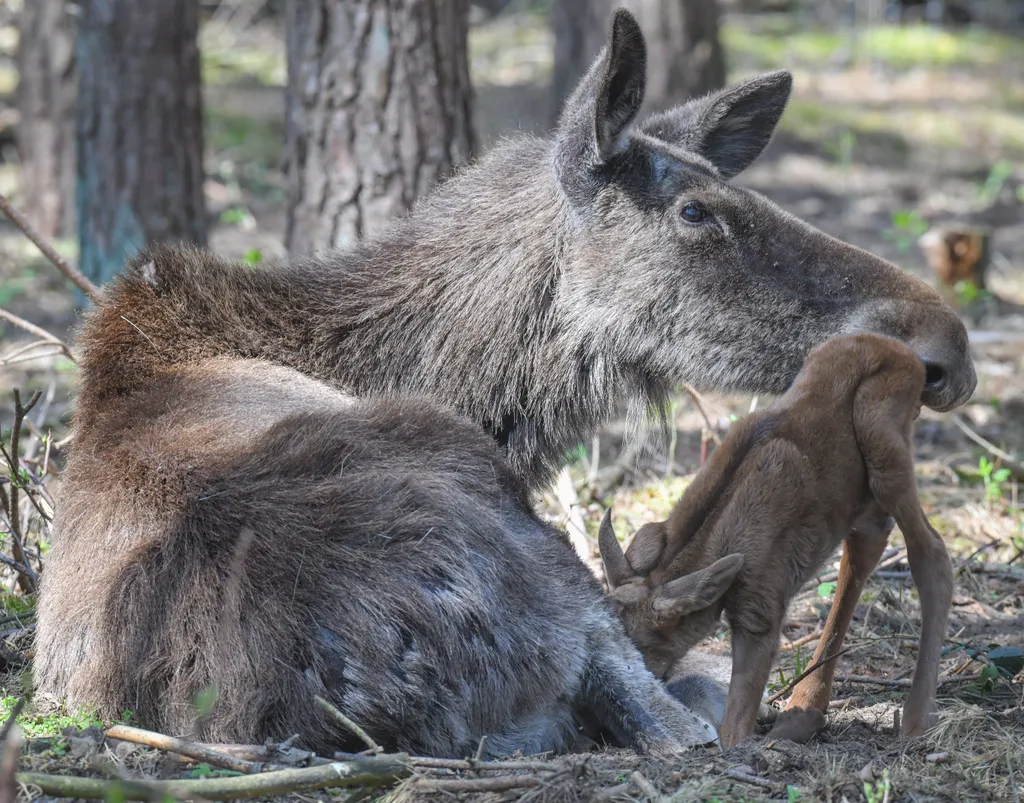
<point>126,733</point>
<point>372,771</point>
<point>348,723</point>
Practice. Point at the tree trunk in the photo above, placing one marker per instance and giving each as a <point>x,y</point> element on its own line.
<point>139,130</point>
<point>378,111</point>
<point>684,54</point>
<point>46,103</point>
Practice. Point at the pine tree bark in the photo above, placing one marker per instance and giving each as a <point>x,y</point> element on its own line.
<point>139,130</point>
<point>378,112</point>
<point>684,53</point>
<point>46,106</point>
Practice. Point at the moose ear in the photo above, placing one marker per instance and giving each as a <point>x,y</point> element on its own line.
<point>595,123</point>
<point>616,568</point>
<point>699,590</point>
<point>730,128</point>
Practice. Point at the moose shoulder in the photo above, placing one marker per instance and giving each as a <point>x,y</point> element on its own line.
<point>526,295</point>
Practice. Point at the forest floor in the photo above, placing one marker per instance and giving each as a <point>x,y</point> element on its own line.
<point>887,134</point>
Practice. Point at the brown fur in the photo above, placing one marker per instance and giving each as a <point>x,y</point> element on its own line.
<point>829,462</point>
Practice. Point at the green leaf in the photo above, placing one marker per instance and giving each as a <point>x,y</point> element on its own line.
<point>1002,475</point>
<point>253,256</point>
<point>826,590</point>
<point>1009,659</point>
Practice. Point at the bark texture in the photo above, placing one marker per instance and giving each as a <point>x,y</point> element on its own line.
<point>139,130</point>
<point>46,129</point>
<point>684,53</point>
<point>378,112</point>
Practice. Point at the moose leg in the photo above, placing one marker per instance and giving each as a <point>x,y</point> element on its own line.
<point>804,713</point>
<point>634,707</point>
<point>752,657</point>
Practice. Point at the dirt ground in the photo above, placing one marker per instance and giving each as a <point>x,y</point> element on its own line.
<point>887,133</point>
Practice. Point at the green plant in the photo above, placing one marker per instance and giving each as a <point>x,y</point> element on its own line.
<point>993,478</point>
<point>907,226</point>
<point>879,790</point>
<point>968,292</point>
<point>826,590</point>
<point>253,256</point>
<point>989,190</point>
<point>792,793</point>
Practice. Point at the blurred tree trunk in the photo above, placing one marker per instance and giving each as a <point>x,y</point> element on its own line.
<point>378,111</point>
<point>139,130</point>
<point>46,103</point>
<point>684,54</point>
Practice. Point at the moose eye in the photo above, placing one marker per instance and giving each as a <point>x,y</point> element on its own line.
<point>693,212</point>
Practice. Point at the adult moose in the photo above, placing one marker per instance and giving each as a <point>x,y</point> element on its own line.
<point>527,294</point>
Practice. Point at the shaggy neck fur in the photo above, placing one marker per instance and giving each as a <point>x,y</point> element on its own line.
<point>459,302</point>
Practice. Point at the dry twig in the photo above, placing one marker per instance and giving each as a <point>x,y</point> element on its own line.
<point>753,780</point>
<point>199,752</point>
<point>27,580</point>
<point>349,724</point>
<point>1016,469</point>
<point>812,668</point>
<point>899,683</point>
<point>502,783</point>
<point>73,274</point>
<point>372,771</point>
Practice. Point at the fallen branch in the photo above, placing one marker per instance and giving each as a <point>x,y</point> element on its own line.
<point>374,771</point>
<point>73,274</point>
<point>463,764</point>
<point>753,780</point>
<point>800,642</point>
<point>899,683</point>
<point>646,787</point>
<point>502,783</point>
<point>1010,463</point>
<point>126,733</point>
<point>349,724</point>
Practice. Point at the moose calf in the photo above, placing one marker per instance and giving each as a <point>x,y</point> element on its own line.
<point>831,460</point>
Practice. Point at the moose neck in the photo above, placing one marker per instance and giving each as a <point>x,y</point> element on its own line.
<point>458,302</point>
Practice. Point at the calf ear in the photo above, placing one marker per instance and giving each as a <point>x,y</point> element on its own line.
<point>595,122</point>
<point>646,548</point>
<point>730,127</point>
<point>616,567</point>
<point>699,590</point>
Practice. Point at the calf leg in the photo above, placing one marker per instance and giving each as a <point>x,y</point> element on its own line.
<point>932,571</point>
<point>752,657</point>
<point>884,432</point>
<point>861,552</point>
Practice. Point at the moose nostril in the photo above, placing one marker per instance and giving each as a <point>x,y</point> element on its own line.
<point>934,375</point>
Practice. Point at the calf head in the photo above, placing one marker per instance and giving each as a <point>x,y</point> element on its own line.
<point>664,620</point>
<point>681,274</point>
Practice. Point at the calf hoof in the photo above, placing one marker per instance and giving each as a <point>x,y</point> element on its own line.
<point>797,725</point>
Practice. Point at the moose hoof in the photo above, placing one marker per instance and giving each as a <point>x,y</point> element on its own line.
<point>798,725</point>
